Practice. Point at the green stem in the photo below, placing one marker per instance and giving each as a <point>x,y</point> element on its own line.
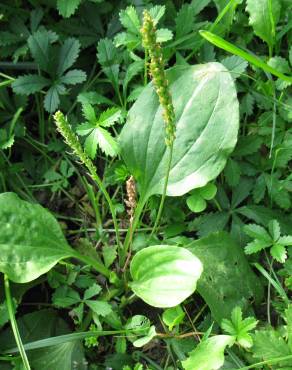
<point>160,209</point>
<point>10,308</point>
<point>131,230</point>
<point>267,362</point>
<point>99,267</point>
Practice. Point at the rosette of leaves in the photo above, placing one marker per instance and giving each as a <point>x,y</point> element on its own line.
<point>95,130</point>
<point>240,328</point>
<point>272,239</point>
<point>53,62</point>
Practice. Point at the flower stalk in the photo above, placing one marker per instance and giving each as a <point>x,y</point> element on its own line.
<point>72,141</point>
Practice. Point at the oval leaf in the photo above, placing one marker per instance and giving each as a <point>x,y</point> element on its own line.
<point>207,118</point>
<point>164,275</point>
<point>31,240</point>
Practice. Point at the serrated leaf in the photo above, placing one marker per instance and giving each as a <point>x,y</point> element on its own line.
<point>232,172</point>
<point>184,21</point>
<point>73,77</point>
<point>163,35</point>
<point>67,8</point>
<point>52,99</point>
<point>100,308</point>
<point>259,189</point>
<point>29,84</point>
<point>235,65</point>
<point>39,45</point>
<point>8,38</point>
<point>89,113</point>
<point>109,117</point>
<point>285,240</point>
<point>102,138</point>
<point>255,246</point>
<point>280,64</point>
<point>257,232</point>
<point>263,19</point>
<point>278,251</point>
<point>92,291</point>
<point>199,5</point>
<point>157,13</point>
<point>109,254</point>
<point>67,55</point>
<point>130,20</point>
<point>209,354</point>
<point>239,327</point>
<point>132,71</point>
<point>108,59</point>
<point>268,344</point>
<point>274,229</point>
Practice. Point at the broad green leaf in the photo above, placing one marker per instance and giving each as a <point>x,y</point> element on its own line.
<point>173,316</point>
<point>73,77</point>
<point>29,84</point>
<point>196,203</point>
<point>67,55</point>
<point>206,110</point>
<point>224,266</point>
<point>67,7</point>
<point>44,324</point>
<point>39,45</point>
<point>209,354</point>
<point>164,275</point>
<point>208,192</point>
<point>263,17</point>
<point>147,338</point>
<point>140,330</point>
<point>52,99</point>
<point>31,240</point>
<point>274,230</point>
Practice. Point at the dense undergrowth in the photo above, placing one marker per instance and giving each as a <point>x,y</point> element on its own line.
<point>145,186</point>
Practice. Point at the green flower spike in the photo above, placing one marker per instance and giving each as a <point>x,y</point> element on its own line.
<point>148,32</point>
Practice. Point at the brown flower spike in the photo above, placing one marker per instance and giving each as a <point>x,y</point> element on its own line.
<point>160,82</point>
<point>131,198</point>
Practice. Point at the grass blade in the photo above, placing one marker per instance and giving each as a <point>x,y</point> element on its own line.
<point>227,46</point>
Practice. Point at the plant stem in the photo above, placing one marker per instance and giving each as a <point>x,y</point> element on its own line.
<point>267,362</point>
<point>99,267</point>
<point>160,209</point>
<point>10,308</point>
<point>131,230</point>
